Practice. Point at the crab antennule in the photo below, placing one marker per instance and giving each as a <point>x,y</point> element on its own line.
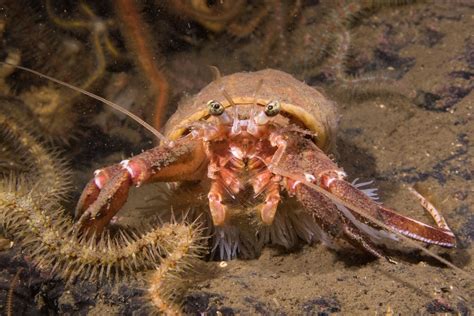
<point>236,128</point>
<point>252,126</point>
<point>113,105</point>
<point>228,97</point>
<point>257,90</point>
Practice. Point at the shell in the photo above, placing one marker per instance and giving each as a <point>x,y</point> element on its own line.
<point>299,101</point>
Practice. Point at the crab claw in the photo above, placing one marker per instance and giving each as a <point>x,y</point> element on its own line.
<point>93,188</point>
<point>333,220</point>
<point>300,161</point>
<point>98,204</point>
<point>409,227</point>
<point>107,192</point>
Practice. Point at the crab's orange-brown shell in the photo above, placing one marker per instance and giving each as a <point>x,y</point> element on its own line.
<point>299,102</point>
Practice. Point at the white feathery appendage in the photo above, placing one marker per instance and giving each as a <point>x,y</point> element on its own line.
<point>370,192</point>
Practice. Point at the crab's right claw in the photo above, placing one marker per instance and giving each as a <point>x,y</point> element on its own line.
<point>104,195</point>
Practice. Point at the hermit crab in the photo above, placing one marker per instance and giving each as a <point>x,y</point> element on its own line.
<point>257,144</point>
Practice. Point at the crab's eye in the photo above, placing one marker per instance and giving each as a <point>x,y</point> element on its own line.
<point>272,108</point>
<point>215,108</point>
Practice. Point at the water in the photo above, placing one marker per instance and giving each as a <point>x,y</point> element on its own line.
<point>414,132</point>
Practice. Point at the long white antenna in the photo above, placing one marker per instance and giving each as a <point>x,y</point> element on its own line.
<point>113,105</point>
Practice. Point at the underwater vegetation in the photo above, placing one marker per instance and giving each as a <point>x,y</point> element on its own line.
<point>35,183</point>
<point>31,214</point>
<point>145,60</point>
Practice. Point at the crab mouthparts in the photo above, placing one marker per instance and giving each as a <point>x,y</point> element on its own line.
<point>250,125</point>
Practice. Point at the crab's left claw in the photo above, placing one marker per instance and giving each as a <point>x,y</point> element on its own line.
<point>409,227</point>
<point>301,158</point>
